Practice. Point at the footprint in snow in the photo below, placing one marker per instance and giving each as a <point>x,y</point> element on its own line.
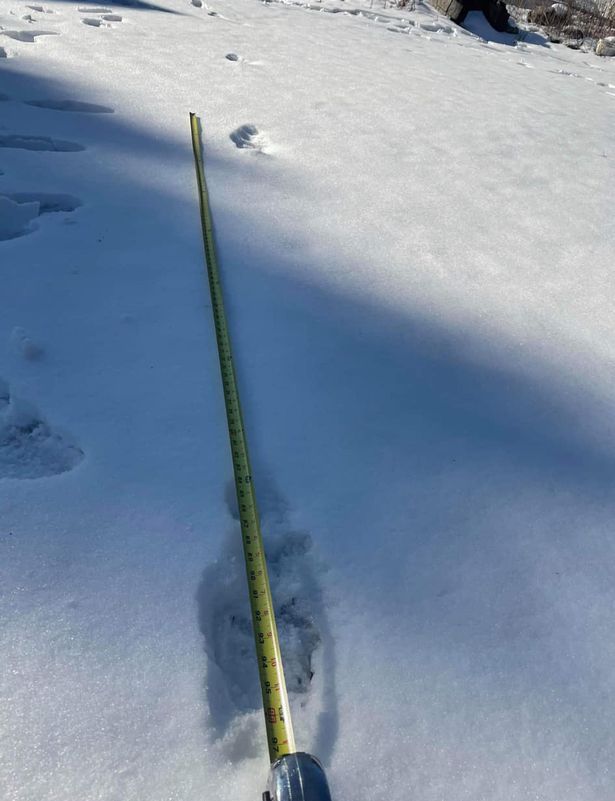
<point>41,9</point>
<point>71,105</point>
<point>18,142</point>
<point>29,446</point>
<point>28,36</point>
<point>248,137</point>
<point>19,211</point>
<point>435,27</point>
<point>95,22</point>
<point>236,58</point>
<point>23,345</point>
<point>102,20</point>
<point>4,53</point>
<point>225,621</point>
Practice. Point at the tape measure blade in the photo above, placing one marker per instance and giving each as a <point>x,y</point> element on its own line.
<point>276,707</point>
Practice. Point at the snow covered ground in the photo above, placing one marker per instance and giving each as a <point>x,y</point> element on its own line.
<point>415,226</point>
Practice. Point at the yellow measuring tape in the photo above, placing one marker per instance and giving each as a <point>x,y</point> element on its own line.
<point>280,736</point>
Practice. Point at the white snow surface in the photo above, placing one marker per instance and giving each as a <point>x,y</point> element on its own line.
<point>415,225</point>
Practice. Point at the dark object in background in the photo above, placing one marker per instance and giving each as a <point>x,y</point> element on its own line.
<point>494,10</point>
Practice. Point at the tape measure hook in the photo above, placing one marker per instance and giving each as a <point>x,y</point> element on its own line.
<point>297,777</point>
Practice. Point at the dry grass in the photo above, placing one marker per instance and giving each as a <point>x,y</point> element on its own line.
<point>576,20</point>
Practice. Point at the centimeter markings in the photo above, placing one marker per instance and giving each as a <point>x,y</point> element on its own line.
<point>273,686</point>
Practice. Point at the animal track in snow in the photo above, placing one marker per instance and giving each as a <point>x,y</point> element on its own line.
<point>41,9</point>
<point>4,53</point>
<point>249,137</point>
<point>71,105</point>
<point>435,27</point>
<point>19,142</point>
<point>28,36</point>
<point>225,618</point>
<point>29,446</point>
<point>23,345</point>
<point>18,211</point>
<point>102,22</point>
<point>48,201</point>
<point>16,218</point>
<point>104,16</point>
<point>236,58</point>
<point>228,629</point>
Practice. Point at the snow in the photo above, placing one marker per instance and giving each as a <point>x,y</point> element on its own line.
<point>15,217</point>
<point>416,238</point>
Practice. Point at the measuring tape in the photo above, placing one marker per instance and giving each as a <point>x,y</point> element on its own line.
<point>280,736</point>
<point>293,776</point>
